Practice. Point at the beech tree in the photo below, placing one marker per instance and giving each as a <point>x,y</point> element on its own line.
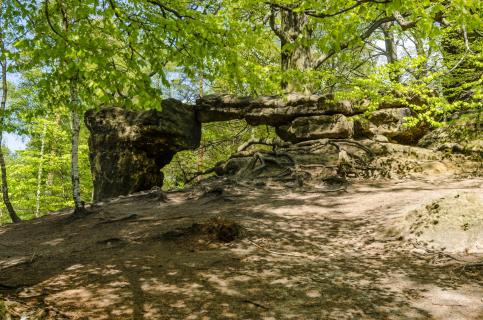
<point>129,53</point>
<point>3,108</point>
<point>80,68</point>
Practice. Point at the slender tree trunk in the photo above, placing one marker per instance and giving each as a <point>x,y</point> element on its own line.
<point>75,127</point>
<point>40,171</point>
<point>79,209</point>
<point>391,49</point>
<point>419,46</point>
<point>6,200</point>
<point>53,154</point>
<point>201,149</point>
<point>390,43</point>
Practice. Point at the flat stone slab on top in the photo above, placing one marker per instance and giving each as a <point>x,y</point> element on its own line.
<point>273,110</point>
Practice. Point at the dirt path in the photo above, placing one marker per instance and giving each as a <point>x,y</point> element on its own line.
<point>303,255</point>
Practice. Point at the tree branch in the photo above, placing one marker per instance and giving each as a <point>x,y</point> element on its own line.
<point>401,20</point>
<point>369,31</point>
<point>165,9</point>
<point>278,32</point>
<point>318,14</point>
<point>49,22</point>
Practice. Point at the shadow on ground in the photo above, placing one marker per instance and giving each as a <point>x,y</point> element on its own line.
<point>301,255</point>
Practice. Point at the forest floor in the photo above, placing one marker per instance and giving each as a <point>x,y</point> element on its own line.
<point>301,254</point>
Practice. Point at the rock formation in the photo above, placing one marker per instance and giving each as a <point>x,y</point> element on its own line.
<point>129,148</point>
<point>463,135</point>
<point>390,122</point>
<point>335,126</point>
<point>306,117</point>
<point>274,111</point>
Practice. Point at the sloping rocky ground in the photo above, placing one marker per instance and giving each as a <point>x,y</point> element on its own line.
<point>332,220</point>
<point>242,250</point>
<point>451,224</point>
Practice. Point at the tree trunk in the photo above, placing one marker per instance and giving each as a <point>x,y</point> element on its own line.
<point>419,46</point>
<point>53,154</point>
<point>75,133</point>
<point>391,49</point>
<point>296,52</point>
<point>39,174</point>
<point>201,149</point>
<point>79,209</point>
<point>6,200</point>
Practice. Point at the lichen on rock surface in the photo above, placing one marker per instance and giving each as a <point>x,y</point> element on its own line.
<point>452,223</point>
<point>128,149</point>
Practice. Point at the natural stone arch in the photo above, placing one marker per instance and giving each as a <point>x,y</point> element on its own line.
<point>128,149</point>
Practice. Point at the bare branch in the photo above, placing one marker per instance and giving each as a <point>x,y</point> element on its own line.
<point>49,22</point>
<point>401,20</point>
<point>165,9</point>
<point>369,31</point>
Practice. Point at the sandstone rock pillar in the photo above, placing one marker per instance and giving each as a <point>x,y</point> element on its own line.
<point>128,149</point>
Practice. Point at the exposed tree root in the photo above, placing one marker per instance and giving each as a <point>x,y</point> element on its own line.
<point>255,304</point>
<point>283,155</point>
<point>202,173</point>
<point>471,265</point>
<point>461,264</point>
<point>7,287</point>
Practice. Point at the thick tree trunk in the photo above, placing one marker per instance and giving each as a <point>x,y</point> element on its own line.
<point>296,52</point>
<point>40,171</point>
<point>6,200</point>
<point>297,59</point>
<point>75,133</point>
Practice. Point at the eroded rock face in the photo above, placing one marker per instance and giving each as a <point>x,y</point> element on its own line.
<point>274,111</point>
<point>462,135</point>
<point>391,122</point>
<point>298,117</point>
<point>129,148</point>
<point>319,127</point>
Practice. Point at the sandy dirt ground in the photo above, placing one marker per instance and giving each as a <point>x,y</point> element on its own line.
<point>302,254</point>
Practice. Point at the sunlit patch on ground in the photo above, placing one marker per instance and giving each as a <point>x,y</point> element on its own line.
<point>297,256</point>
